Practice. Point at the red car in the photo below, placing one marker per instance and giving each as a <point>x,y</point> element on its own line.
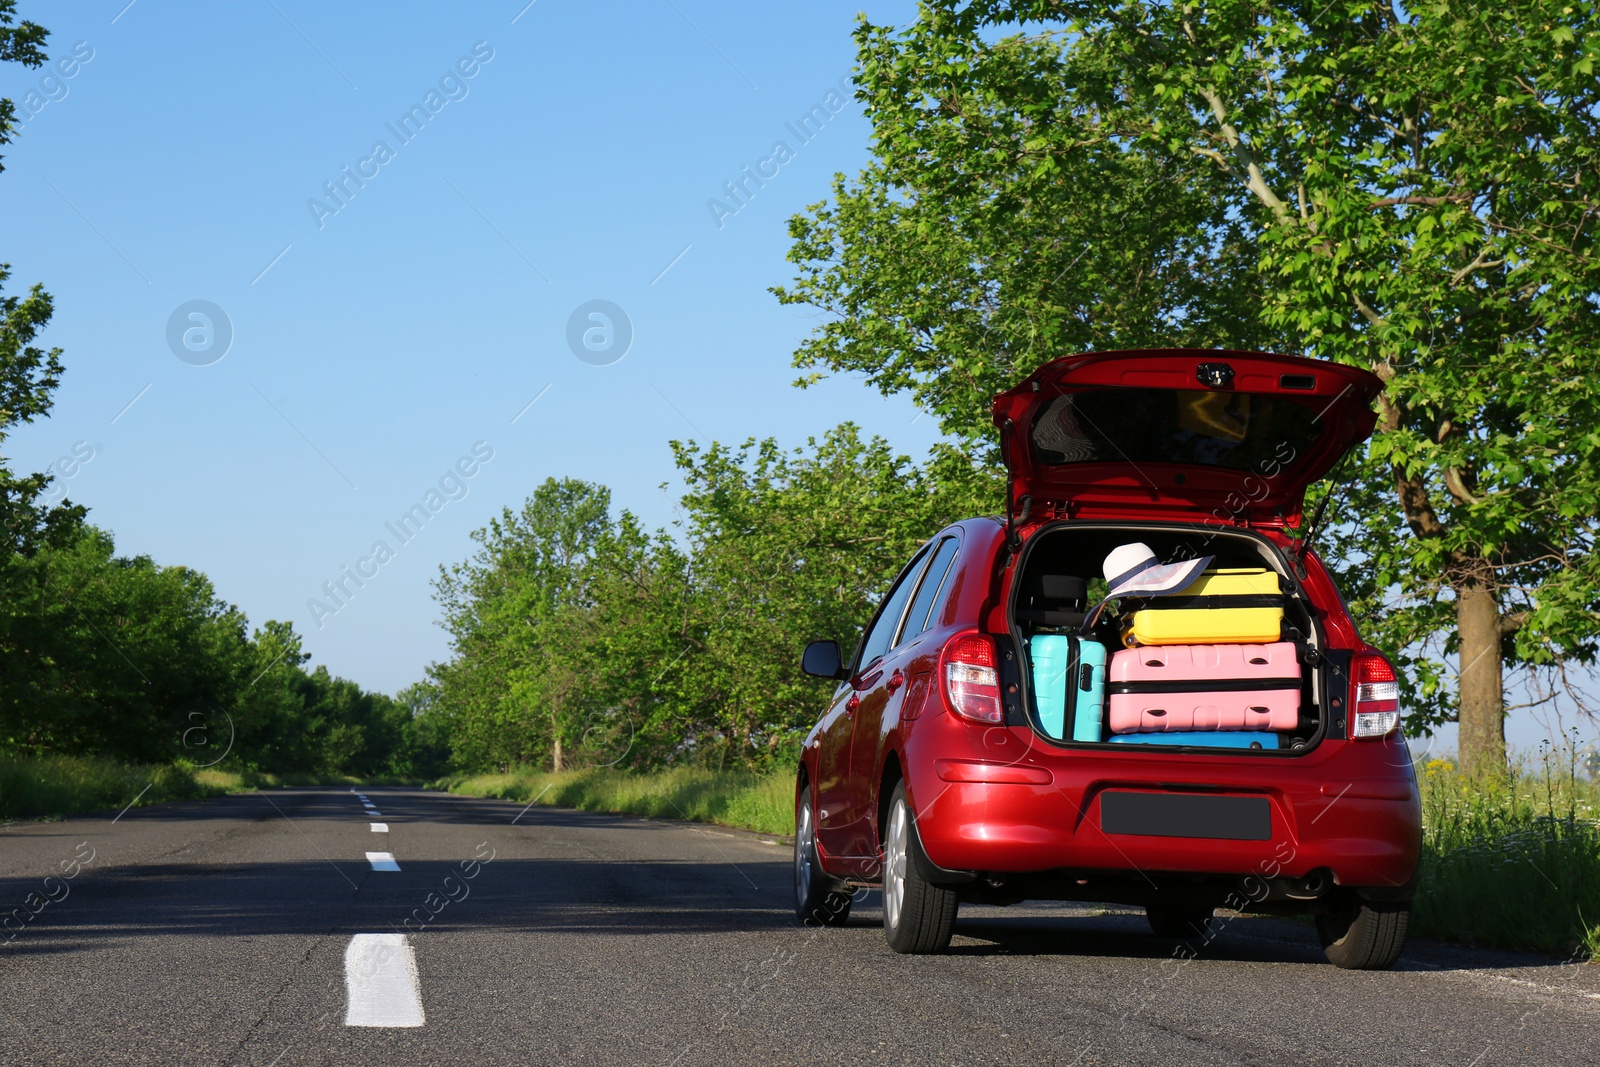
<point>932,774</point>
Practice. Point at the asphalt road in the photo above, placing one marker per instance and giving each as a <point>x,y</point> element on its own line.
<point>227,931</point>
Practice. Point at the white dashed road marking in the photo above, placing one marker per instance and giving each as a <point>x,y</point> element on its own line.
<point>380,827</point>
<point>382,861</point>
<point>380,978</point>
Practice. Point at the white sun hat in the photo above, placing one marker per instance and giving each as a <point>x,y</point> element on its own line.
<point>1134,570</point>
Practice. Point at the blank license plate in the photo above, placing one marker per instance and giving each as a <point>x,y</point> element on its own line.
<point>1186,815</point>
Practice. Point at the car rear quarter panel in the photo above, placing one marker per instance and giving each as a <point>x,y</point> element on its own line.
<point>970,591</point>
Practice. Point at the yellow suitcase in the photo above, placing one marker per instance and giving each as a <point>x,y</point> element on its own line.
<point>1238,606</point>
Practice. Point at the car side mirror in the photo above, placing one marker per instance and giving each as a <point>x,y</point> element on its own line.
<point>822,660</point>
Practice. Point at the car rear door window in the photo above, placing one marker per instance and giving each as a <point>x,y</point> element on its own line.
<point>888,620</point>
<point>929,592</point>
<point>1209,428</point>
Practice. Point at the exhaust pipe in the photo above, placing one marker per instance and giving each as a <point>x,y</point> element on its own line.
<point>1312,887</point>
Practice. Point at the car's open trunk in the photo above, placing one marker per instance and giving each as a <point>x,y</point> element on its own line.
<point>1059,576</point>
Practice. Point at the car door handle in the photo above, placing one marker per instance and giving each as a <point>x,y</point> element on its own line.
<point>896,680</point>
<point>852,704</point>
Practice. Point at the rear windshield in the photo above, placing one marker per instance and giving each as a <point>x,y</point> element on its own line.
<point>1202,427</point>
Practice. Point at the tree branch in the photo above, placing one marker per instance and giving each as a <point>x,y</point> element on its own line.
<point>1218,158</point>
<point>1479,263</point>
<point>1366,311</point>
<point>1418,508</point>
<point>1456,482</point>
<point>1256,181</point>
<point>1427,201</point>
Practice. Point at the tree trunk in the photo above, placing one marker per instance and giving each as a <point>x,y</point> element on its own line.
<point>1481,738</point>
<point>555,748</point>
<point>1482,734</point>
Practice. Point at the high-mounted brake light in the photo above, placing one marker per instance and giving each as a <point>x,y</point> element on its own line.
<point>1377,702</point>
<point>971,683</point>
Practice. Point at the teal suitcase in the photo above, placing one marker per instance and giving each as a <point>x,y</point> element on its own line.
<point>1069,680</point>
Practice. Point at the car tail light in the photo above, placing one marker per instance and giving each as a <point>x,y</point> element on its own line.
<point>971,683</point>
<point>1377,703</point>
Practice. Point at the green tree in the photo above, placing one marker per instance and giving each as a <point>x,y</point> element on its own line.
<point>28,374</point>
<point>508,685</point>
<point>269,708</point>
<point>20,42</point>
<point>115,652</point>
<point>427,737</point>
<point>28,377</point>
<point>636,633</point>
<point>581,638</point>
<point>788,547</point>
<point>1409,190</point>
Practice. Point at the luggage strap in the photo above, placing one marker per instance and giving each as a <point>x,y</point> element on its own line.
<point>1238,685</point>
<point>1212,601</point>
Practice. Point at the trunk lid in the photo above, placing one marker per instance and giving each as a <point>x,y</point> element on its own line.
<point>1231,437</point>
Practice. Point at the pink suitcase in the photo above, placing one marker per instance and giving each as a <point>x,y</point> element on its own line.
<point>1157,688</point>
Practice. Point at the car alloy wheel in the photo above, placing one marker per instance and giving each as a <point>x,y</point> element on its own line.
<point>817,899</point>
<point>894,866</point>
<point>918,916</point>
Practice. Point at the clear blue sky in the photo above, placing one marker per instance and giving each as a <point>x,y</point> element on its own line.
<point>380,334</point>
<point>424,314</point>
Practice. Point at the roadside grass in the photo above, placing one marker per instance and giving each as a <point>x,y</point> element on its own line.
<point>31,787</point>
<point>56,786</point>
<point>743,799</point>
<point>1510,862</point>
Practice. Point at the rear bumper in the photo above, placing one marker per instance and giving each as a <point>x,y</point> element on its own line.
<point>1348,809</point>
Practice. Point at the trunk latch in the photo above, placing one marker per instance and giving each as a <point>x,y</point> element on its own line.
<point>1214,375</point>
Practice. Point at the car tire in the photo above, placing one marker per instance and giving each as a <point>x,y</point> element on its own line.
<point>1364,935</point>
<point>918,916</point>
<point>1177,924</point>
<point>818,900</point>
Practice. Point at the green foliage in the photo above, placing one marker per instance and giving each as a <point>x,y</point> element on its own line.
<point>581,639</point>
<point>20,42</point>
<point>124,659</point>
<point>1002,224</point>
<point>1410,191</point>
<point>785,548</point>
<point>28,374</point>
<point>28,377</point>
<point>750,801</point>
<point>515,687</point>
<point>106,655</point>
<point>1510,862</point>
<point>72,785</point>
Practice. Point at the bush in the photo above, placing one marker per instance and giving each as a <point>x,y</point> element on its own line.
<point>1510,862</point>
<point>31,787</point>
<point>764,803</point>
